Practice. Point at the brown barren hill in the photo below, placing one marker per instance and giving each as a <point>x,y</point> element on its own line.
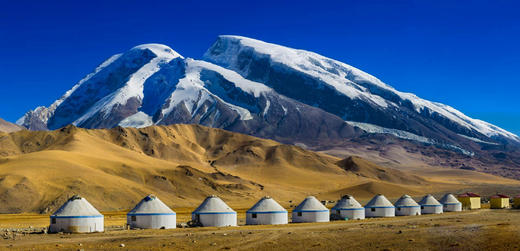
<point>368,169</point>
<point>115,168</point>
<point>9,127</point>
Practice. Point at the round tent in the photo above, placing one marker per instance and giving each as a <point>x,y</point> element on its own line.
<point>450,203</point>
<point>77,215</point>
<point>406,206</point>
<point>430,205</point>
<point>348,207</point>
<point>214,212</point>
<point>266,212</point>
<point>310,210</point>
<point>151,212</point>
<point>379,206</point>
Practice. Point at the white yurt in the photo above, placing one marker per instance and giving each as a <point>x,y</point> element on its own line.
<point>151,212</point>
<point>379,206</point>
<point>349,208</point>
<point>406,206</point>
<point>214,212</point>
<point>450,203</point>
<point>430,205</point>
<point>77,215</point>
<point>266,212</point>
<point>310,210</point>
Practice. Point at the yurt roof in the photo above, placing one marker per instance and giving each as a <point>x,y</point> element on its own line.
<point>468,194</point>
<point>151,205</point>
<point>406,201</point>
<point>347,202</point>
<point>310,204</point>
<point>267,205</point>
<point>77,206</point>
<point>429,200</point>
<point>449,199</point>
<point>213,204</point>
<point>379,201</point>
<point>500,196</point>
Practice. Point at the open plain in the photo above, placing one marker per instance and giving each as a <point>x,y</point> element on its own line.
<point>467,230</point>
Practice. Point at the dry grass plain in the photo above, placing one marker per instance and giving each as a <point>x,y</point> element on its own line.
<point>483,229</point>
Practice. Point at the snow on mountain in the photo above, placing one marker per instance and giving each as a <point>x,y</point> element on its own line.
<point>398,133</point>
<point>343,90</point>
<point>117,84</point>
<point>43,113</point>
<point>154,85</point>
<point>252,87</point>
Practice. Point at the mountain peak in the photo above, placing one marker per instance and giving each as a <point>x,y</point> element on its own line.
<point>160,50</point>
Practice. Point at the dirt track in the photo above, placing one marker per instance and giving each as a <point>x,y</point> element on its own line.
<point>470,230</point>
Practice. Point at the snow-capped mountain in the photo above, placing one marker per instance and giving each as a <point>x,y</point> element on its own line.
<point>345,91</point>
<point>257,88</point>
<point>154,85</point>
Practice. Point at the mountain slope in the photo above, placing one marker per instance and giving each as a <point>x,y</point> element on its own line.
<point>345,91</point>
<point>9,127</point>
<point>180,163</point>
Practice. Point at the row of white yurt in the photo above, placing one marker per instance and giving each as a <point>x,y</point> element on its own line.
<point>79,216</point>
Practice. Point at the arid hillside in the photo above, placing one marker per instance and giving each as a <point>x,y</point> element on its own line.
<point>8,127</point>
<point>182,164</point>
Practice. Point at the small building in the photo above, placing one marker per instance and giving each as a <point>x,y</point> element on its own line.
<point>406,206</point>
<point>266,212</point>
<point>348,208</point>
<point>77,215</point>
<point>450,203</point>
<point>469,200</point>
<point>214,212</point>
<point>516,202</point>
<point>152,213</point>
<point>430,205</point>
<point>310,210</point>
<point>499,201</point>
<point>379,206</point>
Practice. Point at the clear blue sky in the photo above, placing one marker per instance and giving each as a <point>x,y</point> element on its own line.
<point>462,53</point>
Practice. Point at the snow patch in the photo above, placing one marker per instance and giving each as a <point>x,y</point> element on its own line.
<point>267,105</point>
<point>370,128</point>
<point>192,92</point>
<point>138,120</point>
<point>246,85</point>
<point>160,50</point>
<point>478,140</point>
